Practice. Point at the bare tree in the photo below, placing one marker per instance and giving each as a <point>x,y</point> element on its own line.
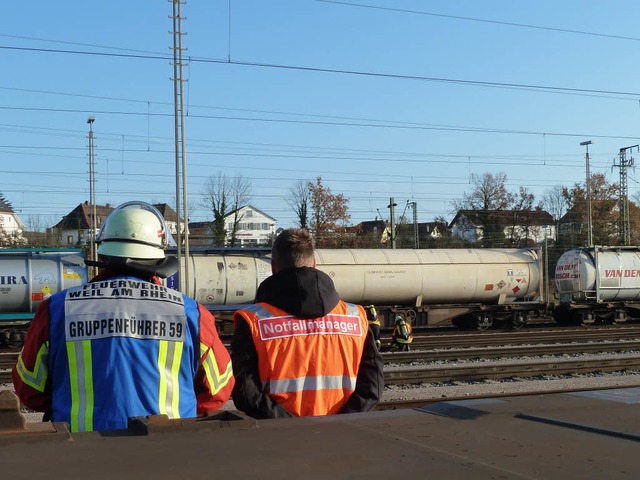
<point>507,218</point>
<point>34,223</point>
<point>328,211</point>
<point>555,202</point>
<point>489,193</point>
<point>520,228</point>
<point>299,199</point>
<point>223,196</point>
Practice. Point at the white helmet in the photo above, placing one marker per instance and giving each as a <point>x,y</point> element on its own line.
<point>134,230</point>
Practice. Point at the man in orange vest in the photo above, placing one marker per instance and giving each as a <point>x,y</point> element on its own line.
<point>301,351</point>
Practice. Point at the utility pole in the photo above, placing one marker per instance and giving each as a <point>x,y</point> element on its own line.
<point>588,185</point>
<point>93,254</point>
<point>416,236</point>
<point>625,228</point>
<point>181,159</point>
<point>392,206</point>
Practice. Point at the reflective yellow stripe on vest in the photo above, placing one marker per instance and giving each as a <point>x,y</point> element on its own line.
<point>81,383</point>
<point>169,358</point>
<point>217,380</point>
<point>38,377</point>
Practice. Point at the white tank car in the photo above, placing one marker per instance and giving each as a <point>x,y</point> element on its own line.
<point>430,286</point>
<point>431,276</point>
<point>599,274</point>
<point>28,276</point>
<point>228,277</point>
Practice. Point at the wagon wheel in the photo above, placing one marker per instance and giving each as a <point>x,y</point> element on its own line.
<point>484,322</point>
<point>518,320</point>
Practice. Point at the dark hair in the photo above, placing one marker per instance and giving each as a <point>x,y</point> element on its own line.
<point>293,248</point>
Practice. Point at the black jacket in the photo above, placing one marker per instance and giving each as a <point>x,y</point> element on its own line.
<point>306,293</point>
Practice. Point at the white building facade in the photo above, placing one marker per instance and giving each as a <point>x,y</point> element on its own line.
<point>255,228</point>
<point>11,226</point>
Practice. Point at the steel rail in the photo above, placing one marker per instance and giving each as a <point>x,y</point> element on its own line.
<point>519,337</point>
<point>499,352</point>
<point>520,369</point>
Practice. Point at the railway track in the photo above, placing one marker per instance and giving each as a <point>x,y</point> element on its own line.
<point>516,369</point>
<point>423,356</point>
<point>519,337</point>
<point>430,373</point>
<point>448,338</point>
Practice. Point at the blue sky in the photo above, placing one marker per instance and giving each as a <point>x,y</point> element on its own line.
<point>381,98</point>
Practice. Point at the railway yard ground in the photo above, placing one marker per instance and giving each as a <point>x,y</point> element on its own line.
<point>586,435</point>
<point>538,404</point>
<point>463,365</point>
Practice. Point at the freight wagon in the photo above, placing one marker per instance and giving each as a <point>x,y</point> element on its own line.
<point>29,276</point>
<point>469,287</point>
<point>598,284</point>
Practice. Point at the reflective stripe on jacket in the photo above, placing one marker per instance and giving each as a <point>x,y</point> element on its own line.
<point>403,333</point>
<point>309,366</point>
<point>130,348</point>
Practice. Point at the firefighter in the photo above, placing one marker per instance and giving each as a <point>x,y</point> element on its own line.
<point>402,335</point>
<point>123,345</point>
<point>374,323</point>
<point>301,351</point>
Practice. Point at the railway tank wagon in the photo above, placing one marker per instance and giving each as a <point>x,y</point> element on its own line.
<point>469,287</point>
<point>224,279</point>
<point>29,276</point>
<point>598,284</point>
<point>472,287</point>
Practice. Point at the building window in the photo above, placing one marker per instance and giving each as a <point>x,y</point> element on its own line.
<point>69,239</point>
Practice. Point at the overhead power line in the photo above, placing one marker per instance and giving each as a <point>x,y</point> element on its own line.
<point>416,126</point>
<point>484,20</point>
<point>457,81</point>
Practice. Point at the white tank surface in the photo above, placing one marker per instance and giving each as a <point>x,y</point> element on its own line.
<point>225,277</point>
<point>27,276</point>
<point>433,276</point>
<point>604,274</point>
<point>380,276</point>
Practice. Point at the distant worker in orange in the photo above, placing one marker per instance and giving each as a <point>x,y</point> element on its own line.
<point>301,351</point>
<point>402,335</point>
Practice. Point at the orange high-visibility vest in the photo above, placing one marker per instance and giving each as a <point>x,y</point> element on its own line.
<point>308,365</point>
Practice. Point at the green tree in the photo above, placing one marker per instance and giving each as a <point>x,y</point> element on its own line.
<point>604,214</point>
